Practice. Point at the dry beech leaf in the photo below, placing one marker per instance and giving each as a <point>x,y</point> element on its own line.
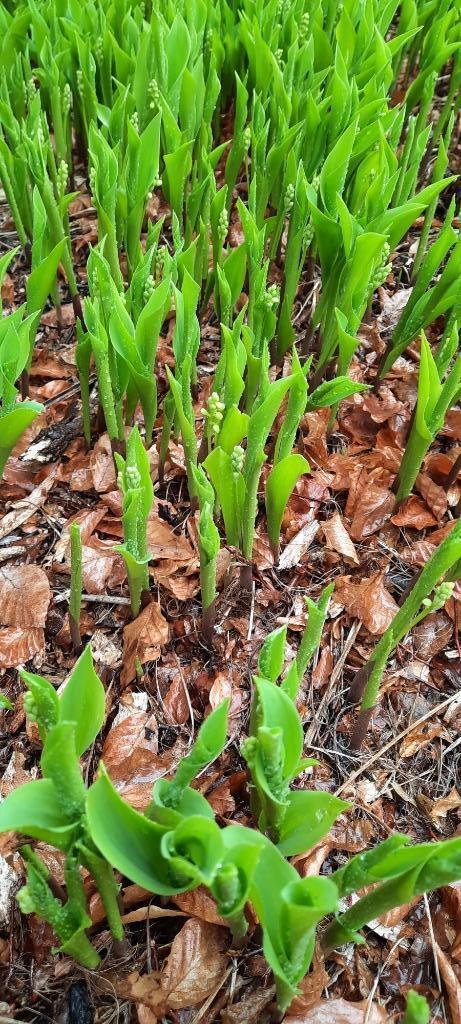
<point>419,738</point>
<point>19,645</point>
<point>310,989</point>
<point>196,964</point>
<point>339,1011</point>
<point>298,545</point>
<point>143,639</point>
<point>323,669</point>
<point>440,808</point>
<point>164,543</point>
<point>415,513</point>
<point>434,496</point>
<point>249,1010</point>
<point>367,600</point>
<point>130,747</point>
<point>27,507</point>
<point>452,984</point>
<point>337,538</point>
<point>24,596</point>
<point>146,1016</point>
<point>373,508</point>
<point>175,701</point>
<point>432,636</point>
<point>101,463</point>
<point>198,903</point>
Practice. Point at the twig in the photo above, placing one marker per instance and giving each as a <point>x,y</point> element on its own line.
<point>95,598</point>
<point>392,743</point>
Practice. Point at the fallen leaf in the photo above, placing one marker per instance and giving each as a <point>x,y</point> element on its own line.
<point>432,636</point>
<point>322,671</point>
<point>296,549</point>
<point>196,964</point>
<point>310,989</point>
<point>146,1016</point>
<point>315,440</point>
<point>374,506</point>
<point>419,738</point>
<point>392,307</point>
<point>130,747</point>
<point>440,808</point>
<point>198,903</point>
<point>19,645</point>
<point>67,316</point>
<point>434,496</point>
<point>101,465</point>
<point>413,512</point>
<point>337,538</point>
<point>25,595</point>
<point>452,984</point>
<point>164,543</point>
<point>27,507</point>
<point>143,640</point>
<point>367,600</point>
<point>175,701</point>
<point>339,1011</point>
<point>249,1010</point>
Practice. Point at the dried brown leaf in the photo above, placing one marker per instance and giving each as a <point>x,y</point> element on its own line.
<point>434,496</point>
<point>198,903</point>
<point>367,600</point>
<point>337,538</point>
<point>310,989</point>
<point>102,465</point>
<point>143,639</point>
<point>340,1011</point>
<point>19,645</point>
<point>419,738</point>
<point>24,596</point>
<point>27,507</point>
<point>432,636</point>
<point>296,549</point>
<point>415,513</point>
<point>452,984</point>
<point>374,505</point>
<point>249,1010</point>
<point>196,964</point>
<point>451,802</point>
<point>130,748</point>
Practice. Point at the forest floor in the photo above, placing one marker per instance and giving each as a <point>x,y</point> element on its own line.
<point>161,679</point>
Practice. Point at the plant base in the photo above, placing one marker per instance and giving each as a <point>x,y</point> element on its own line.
<point>75,634</point>
<point>208,622</point>
<point>360,729</point>
<point>246,576</point>
<point>359,682</point>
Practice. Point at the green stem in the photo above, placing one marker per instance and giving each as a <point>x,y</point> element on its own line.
<point>59,233</point>
<point>108,890</point>
<point>75,599</point>
<point>9,192</point>
<point>377,902</point>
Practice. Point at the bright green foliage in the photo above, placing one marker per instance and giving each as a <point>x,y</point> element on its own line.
<point>292,818</point>
<point>135,483</point>
<point>417,1009</point>
<point>403,873</point>
<point>177,846</point>
<point>15,416</point>
<point>52,809</point>
<point>425,304</point>
<point>436,578</point>
<point>280,483</point>
<point>435,398</point>
<point>76,571</point>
